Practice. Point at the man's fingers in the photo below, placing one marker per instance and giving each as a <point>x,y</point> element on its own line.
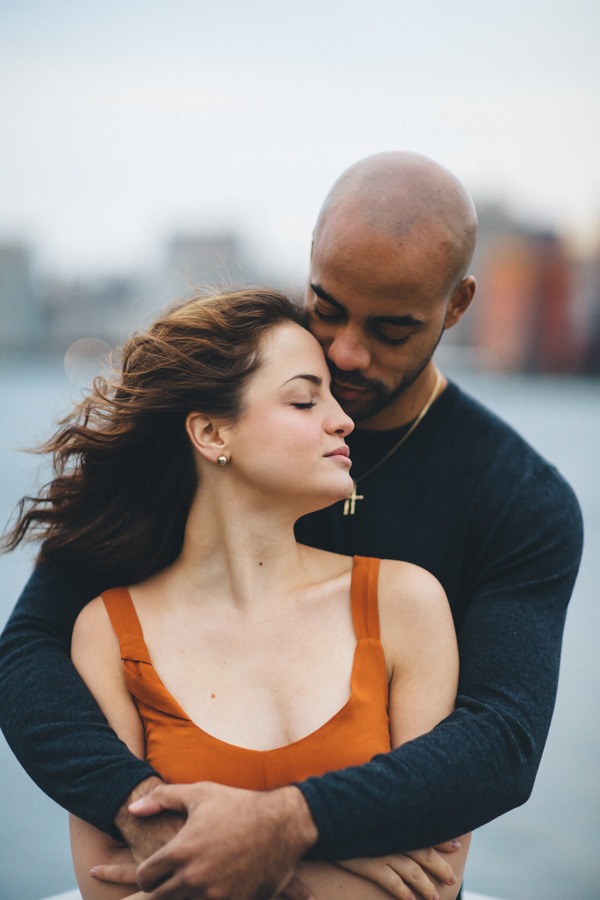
<point>118,873</point>
<point>166,796</point>
<point>295,890</point>
<point>170,890</point>
<point>158,868</point>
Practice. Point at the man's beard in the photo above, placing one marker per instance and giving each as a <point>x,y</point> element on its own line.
<point>383,395</point>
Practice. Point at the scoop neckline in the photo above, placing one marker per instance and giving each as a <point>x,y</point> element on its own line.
<point>183,715</point>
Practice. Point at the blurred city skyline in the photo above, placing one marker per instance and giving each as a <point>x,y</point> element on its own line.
<point>537,305</point>
<point>125,123</point>
<point>149,147</point>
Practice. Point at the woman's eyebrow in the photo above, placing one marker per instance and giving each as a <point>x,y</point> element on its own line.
<point>315,379</point>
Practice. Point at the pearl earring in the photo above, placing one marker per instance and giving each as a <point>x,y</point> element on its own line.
<point>222,460</point>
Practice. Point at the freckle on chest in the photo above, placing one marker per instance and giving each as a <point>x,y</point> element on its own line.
<point>213,696</point>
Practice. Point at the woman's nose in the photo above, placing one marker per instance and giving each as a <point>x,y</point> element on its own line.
<point>340,422</point>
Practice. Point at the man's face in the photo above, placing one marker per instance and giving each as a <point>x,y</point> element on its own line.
<point>378,307</point>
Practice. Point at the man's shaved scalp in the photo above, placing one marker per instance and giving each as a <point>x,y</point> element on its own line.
<point>395,193</point>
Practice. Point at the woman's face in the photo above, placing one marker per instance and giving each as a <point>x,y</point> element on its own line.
<point>289,439</point>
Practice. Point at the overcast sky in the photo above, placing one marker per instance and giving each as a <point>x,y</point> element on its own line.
<point>126,119</point>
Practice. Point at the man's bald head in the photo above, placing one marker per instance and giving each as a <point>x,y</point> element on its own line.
<point>398,196</point>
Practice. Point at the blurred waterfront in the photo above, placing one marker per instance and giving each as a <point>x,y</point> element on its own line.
<point>537,306</point>
<point>547,848</point>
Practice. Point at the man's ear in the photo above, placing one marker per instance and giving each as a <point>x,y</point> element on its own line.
<point>460,301</point>
<point>208,436</point>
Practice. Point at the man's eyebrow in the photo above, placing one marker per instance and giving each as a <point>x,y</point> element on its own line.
<point>395,320</point>
<point>320,292</point>
<point>315,379</point>
<point>402,321</point>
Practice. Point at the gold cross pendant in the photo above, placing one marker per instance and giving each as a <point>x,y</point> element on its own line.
<point>350,504</point>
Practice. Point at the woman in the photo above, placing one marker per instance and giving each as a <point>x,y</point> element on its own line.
<point>237,655</point>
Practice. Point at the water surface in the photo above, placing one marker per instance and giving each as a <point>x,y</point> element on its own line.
<point>547,848</point>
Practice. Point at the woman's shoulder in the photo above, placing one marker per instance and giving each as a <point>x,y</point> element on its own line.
<point>92,615</point>
<point>93,633</point>
<point>413,610</point>
<point>409,585</point>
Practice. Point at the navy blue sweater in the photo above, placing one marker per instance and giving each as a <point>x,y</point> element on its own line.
<point>466,498</point>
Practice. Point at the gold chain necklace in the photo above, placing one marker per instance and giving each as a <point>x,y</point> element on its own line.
<point>350,503</point>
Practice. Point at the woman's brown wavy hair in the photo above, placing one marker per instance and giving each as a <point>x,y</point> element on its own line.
<point>124,473</point>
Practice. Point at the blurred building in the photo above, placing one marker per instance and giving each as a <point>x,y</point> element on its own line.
<point>586,310</point>
<point>21,312</point>
<point>524,317</point>
<point>199,260</point>
<point>97,307</point>
<point>537,306</point>
<point>109,308</point>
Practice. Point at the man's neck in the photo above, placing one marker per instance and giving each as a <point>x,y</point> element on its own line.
<point>405,408</point>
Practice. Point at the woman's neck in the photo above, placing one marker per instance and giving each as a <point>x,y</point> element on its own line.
<point>239,547</point>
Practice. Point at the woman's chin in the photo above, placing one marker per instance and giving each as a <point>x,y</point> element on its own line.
<point>329,497</point>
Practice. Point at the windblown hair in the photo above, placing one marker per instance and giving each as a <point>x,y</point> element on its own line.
<point>124,471</point>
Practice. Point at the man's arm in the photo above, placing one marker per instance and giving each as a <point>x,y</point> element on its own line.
<point>475,765</point>
<point>48,716</point>
<point>482,760</point>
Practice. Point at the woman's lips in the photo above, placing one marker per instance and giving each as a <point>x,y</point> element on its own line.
<point>340,453</point>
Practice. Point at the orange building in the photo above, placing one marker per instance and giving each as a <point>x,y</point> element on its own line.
<point>522,319</point>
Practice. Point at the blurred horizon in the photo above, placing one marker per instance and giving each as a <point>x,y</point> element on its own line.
<point>127,123</point>
<point>537,305</point>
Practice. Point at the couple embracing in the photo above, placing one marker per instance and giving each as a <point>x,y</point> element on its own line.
<point>277,635</point>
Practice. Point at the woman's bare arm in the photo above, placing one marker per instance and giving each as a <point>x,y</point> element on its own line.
<point>419,642</point>
<point>96,656</point>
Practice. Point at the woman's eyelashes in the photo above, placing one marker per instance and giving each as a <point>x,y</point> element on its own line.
<point>306,405</point>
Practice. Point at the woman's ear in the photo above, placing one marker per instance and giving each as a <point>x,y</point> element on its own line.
<point>208,436</point>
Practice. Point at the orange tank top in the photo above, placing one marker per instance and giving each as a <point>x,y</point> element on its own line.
<point>181,752</point>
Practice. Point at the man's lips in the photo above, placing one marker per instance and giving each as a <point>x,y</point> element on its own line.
<point>347,391</point>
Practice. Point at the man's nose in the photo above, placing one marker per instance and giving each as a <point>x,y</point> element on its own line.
<point>348,352</point>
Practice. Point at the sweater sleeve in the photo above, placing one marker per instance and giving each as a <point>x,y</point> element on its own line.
<point>50,720</point>
<point>482,760</point>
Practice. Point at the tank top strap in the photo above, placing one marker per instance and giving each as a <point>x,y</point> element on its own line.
<point>363,593</point>
<point>126,624</point>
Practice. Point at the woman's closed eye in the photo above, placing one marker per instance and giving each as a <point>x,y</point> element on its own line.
<point>306,405</point>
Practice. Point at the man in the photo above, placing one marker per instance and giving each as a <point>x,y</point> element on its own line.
<point>439,482</point>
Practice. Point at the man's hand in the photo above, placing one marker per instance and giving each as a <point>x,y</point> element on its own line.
<point>146,836</point>
<point>235,843</point>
